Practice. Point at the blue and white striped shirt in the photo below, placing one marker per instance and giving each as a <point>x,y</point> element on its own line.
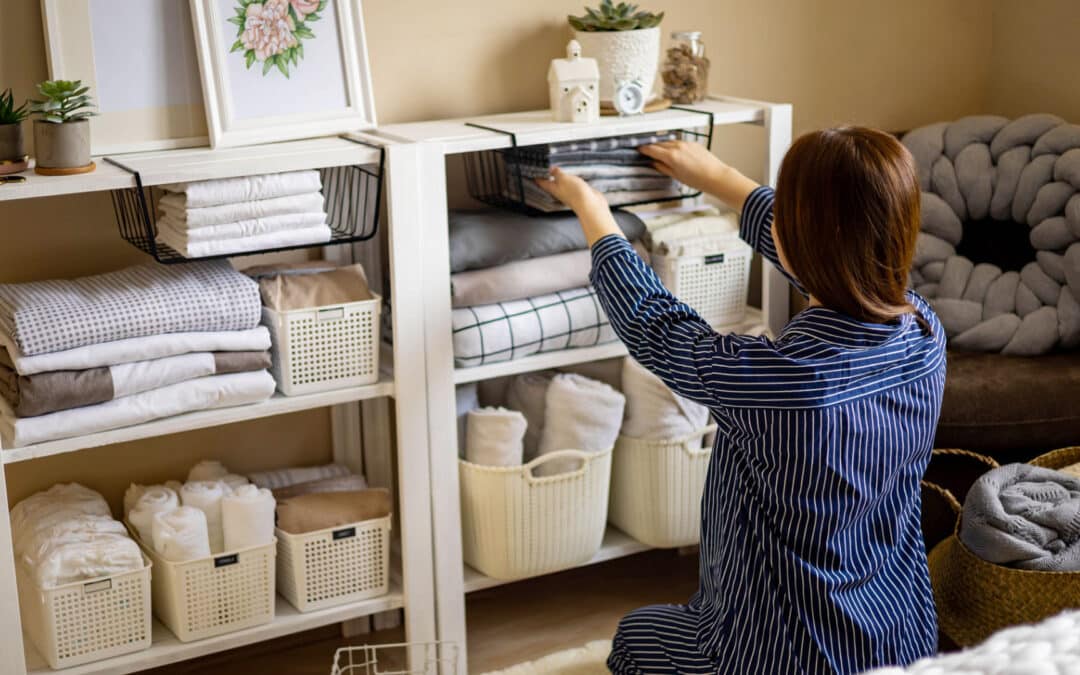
<point>812,558</point>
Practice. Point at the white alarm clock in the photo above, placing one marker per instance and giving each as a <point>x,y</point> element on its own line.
<point>629,97</point>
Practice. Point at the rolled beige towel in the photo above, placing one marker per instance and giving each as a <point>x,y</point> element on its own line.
<point>581,414</point>
<point>494,437</point>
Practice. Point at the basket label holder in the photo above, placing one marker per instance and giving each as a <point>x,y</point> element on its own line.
<point>344,533</point>
<point>715,258</point>
<point>226,560</point>
<point>97,587</point>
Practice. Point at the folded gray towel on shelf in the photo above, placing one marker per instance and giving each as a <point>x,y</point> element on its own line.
<point>281,478</point>
<point>494,437</point>
<point>1024,516</point>
<point>580,414</point>
<point>527,394</point>
<point>654,412</point>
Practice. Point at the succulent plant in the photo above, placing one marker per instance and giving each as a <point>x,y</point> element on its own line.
<point>9,114</point>
<point>611,17</point>
<point>64,101</point>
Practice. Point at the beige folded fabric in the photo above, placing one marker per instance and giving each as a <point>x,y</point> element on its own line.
<point>301,290</point>
<point>342,484</point>
<point>321,511</point>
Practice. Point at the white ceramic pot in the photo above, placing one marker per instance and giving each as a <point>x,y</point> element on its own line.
<point>623,55</point>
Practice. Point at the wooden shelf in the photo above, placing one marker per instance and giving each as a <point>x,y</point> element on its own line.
<point>167,649</point>
<point>616,544</point>
<point>277,405</point>
<point>190,164</point>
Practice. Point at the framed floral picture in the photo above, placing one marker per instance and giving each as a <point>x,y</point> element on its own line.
<point>138,58</point>
<point>276,70</point>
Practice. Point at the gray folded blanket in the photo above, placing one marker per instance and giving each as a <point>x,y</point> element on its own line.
<point>1026,517</point>
<point>612,150</point>
<point>483,238</point>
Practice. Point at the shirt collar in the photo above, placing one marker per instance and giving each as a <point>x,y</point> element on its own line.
<point>832,327</point>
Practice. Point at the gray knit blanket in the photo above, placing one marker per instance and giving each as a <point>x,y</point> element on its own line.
<point>1026,517</point>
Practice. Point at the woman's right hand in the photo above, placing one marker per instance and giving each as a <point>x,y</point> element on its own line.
<point>694,165</point>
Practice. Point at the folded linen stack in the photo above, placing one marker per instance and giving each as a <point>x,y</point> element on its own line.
<point>520,285</point>
<point>66,534</point>
<point>239,215</point>
<point>611,165</point>
<point>113,350</point>
<point>698,231</point>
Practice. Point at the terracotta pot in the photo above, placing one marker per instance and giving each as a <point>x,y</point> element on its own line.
<point>623,55</point>
<point>62,146</point>
<point>11,141</point>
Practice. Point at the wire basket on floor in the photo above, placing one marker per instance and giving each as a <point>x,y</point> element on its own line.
<point>437,659</point>
<point>352,197</point>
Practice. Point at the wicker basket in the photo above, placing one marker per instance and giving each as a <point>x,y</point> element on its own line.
<point>714,285</point>
<point>976,598</point>
<point>334,566</point>
<point>86,621</point>
<point>517,525</point>
<point>656,488</point>
<point>957,470</point>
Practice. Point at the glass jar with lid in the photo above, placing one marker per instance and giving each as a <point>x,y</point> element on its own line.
<point>686,69</point>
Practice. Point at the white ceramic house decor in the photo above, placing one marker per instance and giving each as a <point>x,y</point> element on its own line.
<point>573,86</point>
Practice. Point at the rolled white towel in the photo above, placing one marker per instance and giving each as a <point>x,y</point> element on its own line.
<point>468,398</point>
<point>527,394</point>
<point>581,414</point>
<point>234,481</point>
<point>174,485</point>
<point>154,499</point>
<point>181,534</point>
<point>494,437</point>
<point>99,556</point>
<point>131,495</point>
<point>247,517</point>
<point>207,470</point>
<point>206,496</point>
<point>654,412</point>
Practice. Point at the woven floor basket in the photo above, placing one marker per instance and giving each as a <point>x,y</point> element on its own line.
<point>976,598</point>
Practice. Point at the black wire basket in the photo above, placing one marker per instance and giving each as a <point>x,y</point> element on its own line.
<point>498,177</point>
<point>352,196</point>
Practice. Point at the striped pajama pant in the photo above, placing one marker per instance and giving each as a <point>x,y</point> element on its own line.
<point>658,640</point>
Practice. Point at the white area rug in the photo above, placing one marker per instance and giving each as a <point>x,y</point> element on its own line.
<point>588,660</point>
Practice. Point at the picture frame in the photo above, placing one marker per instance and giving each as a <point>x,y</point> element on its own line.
<point>140,64</point>
<point>278,70</point>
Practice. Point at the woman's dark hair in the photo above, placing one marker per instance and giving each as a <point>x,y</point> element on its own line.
<point>847,217</point>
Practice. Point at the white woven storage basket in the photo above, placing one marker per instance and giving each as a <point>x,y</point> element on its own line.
<point>334,566</point>
<point>656,488</point>
<point>86,621</point>
<point>322,348</point>
<point>212,596</point>
<point>517,525</point>
<point>714,285</point>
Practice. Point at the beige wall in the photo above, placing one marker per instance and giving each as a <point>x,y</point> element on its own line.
<point>892,64</point>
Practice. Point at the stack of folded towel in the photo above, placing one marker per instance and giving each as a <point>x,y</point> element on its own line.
<point>213,512</point>
<point>697,231</point>
<point>611,165</point>
<point>108,351</point>
<point>239,215</point>
<point>520,285</point>
<point>66,534</point>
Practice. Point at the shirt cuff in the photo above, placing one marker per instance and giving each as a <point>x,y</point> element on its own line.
<point>609,246</point>
<point>756,214</point>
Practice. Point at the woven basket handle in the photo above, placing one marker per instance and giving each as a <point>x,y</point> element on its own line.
<point>531,467</point>
<point>698,436</point>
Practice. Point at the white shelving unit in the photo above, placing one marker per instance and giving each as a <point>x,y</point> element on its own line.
<point>426,173</point>
<point>403,384</point>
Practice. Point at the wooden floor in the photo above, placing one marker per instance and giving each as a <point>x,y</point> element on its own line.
<point>507,625</point>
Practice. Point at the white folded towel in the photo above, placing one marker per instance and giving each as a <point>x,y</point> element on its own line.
<point>527,394</point>
<point>208,469</point>
<point>243,228</point>
<point>654,412</point>
<point>245,188</point>
<point>581,414</point>
<point>198,249</point>
<point>58,503</point>
<point>206,496</point>
<point>494,437</point>
<point>247,517</point>
<point>181,534</point>
<point>153,500</point>
<point>99,556</point>
<point>32,543</point>
<point>172,205</point>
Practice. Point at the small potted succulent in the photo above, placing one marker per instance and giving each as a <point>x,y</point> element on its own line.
<point>12,150</point>
<point>62,130</point>
<point>625,42</point>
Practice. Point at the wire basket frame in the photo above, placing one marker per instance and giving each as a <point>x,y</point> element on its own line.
<point>496,178</point>
<point>352,196</point>
<point>438,658</point>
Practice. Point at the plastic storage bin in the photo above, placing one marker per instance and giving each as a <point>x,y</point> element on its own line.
<point>334,566</point>
<point>715,285</point>
<point>656,488</point>
<point>324,348</point>
<point>86,621</point>
<point>517,525</point>
<point>212,596</point>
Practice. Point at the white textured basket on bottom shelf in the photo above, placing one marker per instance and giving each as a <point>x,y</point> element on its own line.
<point>656,488</point>
<point>715,285</point>
<point>212,596</point>
<point>86,621</point>
<point>334,566</point>
<point>323,348</point>
<point>517,525</point>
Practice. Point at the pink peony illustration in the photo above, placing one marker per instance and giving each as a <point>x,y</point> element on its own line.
<point>305,7</point>
<point>268,28</point>
<point>271,32</point>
